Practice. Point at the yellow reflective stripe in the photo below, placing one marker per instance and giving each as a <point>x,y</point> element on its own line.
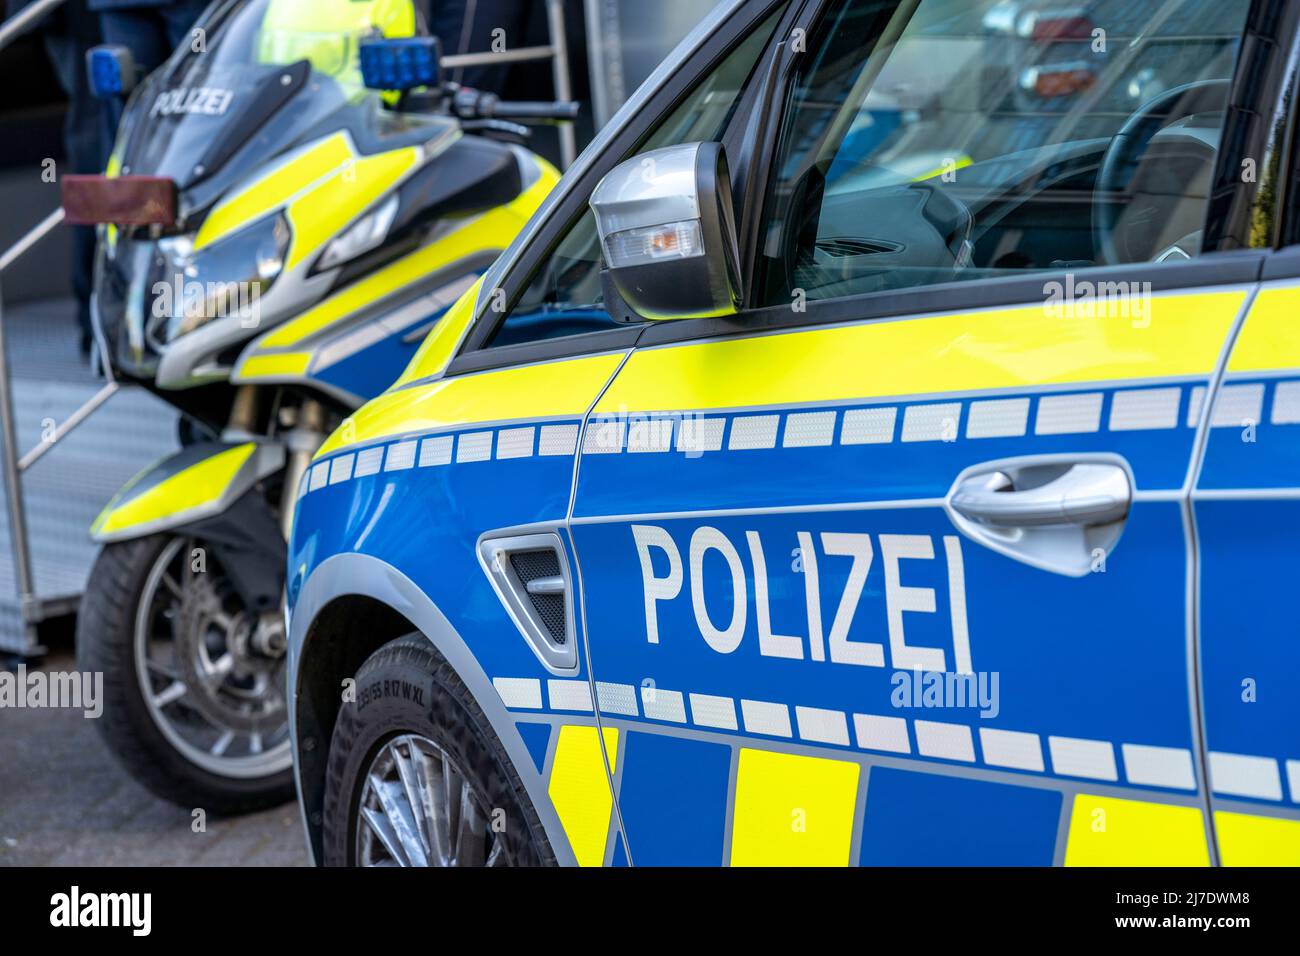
<point>579,789</point>
<point>318,215</point>
<point>1107,831</point>
<point>1248,840</point>
<point>276,187</point>
<point>434,353</point>
<point>792,810</point>
<point>490,232</point>
<point>197,485</point>
<point>1270,339</point>
<point>551,390</point>
<point>1001,348</point>
<point>273,366</point>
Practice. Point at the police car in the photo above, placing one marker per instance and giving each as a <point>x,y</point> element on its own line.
<point>846,465</point>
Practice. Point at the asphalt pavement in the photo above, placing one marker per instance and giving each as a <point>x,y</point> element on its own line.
<point>64,801</point>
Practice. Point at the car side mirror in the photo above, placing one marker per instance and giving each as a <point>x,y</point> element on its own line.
<point>668,233</point>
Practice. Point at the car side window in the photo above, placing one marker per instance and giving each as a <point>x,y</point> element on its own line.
<point>931,142</point>
<point>564,296</point>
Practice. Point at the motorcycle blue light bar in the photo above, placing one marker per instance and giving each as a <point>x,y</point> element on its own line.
<point>111,70</point>
<point>400,64</point>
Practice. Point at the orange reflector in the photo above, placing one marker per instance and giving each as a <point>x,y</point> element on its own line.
<point>121,200</point>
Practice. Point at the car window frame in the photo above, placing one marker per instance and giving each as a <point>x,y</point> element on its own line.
<point>1286,263</point>
<point>1262,71</point>
<point>475,352</point>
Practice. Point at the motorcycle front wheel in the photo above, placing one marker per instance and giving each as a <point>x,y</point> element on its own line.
<point>194,682</point>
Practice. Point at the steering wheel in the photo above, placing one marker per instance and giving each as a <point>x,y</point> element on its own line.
<point>1174,104</point>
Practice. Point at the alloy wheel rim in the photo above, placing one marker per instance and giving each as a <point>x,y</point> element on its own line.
<point>418,809</point>
<point>221,706</point>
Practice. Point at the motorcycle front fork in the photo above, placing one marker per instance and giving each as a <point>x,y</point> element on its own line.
<point>301,443</point>
<point>306,431</point>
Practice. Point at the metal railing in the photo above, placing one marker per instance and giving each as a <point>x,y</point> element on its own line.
<point>10,465</point>
<point>557,52</point>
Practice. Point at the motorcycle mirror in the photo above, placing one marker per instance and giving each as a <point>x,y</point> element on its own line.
<point>111,70</point>
<point>403,63</point>
<point>122,200</point>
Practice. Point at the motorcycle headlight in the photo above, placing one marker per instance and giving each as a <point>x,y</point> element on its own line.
<point>224,280</point>
<point>365,234</point>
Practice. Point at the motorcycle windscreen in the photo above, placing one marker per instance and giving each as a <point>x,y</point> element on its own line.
<point>269,75</point>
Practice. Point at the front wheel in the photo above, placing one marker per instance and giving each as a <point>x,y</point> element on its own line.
<point>194,682</point>
<point>416,776</point>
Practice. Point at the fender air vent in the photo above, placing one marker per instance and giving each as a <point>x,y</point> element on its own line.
<point>530,574</point>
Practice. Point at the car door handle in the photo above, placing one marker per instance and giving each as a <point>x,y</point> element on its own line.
<point>1085,493</point>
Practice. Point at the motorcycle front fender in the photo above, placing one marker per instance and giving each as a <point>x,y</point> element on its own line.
<point>198,483</point>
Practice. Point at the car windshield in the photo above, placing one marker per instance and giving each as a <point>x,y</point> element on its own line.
<point>972,139</point>
<point>225,92</point>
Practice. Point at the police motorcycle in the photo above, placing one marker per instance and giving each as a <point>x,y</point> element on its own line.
<point>286,213</point>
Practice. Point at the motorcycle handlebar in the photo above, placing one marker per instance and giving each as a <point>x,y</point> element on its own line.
<point>474,104</point>
<point>504,109</point>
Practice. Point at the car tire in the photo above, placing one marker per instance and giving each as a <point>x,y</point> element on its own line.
<point>405,692</point>
<point>105,641</point>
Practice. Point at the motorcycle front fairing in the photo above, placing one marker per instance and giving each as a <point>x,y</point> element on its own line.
<point>211,121</point>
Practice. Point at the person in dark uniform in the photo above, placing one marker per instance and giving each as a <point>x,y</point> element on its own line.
<point>150,29</point>
<point>468,26</point>
<point>68,33</point>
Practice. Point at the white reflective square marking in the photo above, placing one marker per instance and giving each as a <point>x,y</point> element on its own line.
<point>932,422</point>
<point>1011,748</point>
<point>1003,418</point>
<point>369,462</point>
<point>660,704</point>
<point>650,435</point>
<point>320,475</point>
<point>869,426</point>
<point>519,692</point>
<point>1245,776</point>
<point>436,451</point>
<point>341,469</point>
<point>1074,757</point>
<point>1286,403</point>
<point>474,446</point>
<point>616,698</point>
<point>558,440</point>
<point>1068,414</point>
<point>604,437</point>
<point>765,717</point>
<point>569,694</point>
<point>753,431</point>
<point>809,430</point>
<point>515,442</point>
<point>881,733</point>
<point>1238,406</point>
<point>1145,409</point>
<point>822,726</point>
<point>1158,766</point>
<point>709,711</point>
<point>948,741</point>
<point>1194,403</point>
<point>401,456</point>
<point>696,434</point>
